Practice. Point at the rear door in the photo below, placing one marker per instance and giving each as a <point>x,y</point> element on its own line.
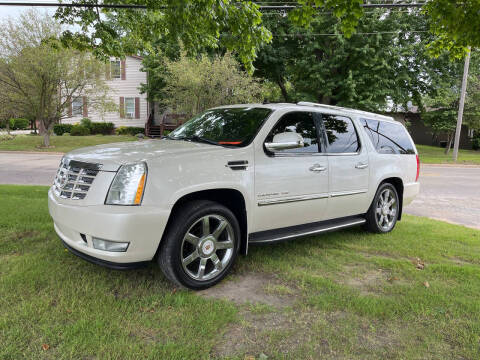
<point>348,167</point>
<point>291,186</point>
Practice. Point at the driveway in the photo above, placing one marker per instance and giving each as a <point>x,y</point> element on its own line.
<point>448,193</point>
<point>28,168</point>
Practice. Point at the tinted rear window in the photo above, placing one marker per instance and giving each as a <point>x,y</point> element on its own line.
<point>387,137</point>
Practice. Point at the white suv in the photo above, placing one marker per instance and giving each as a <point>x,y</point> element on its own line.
<point>230,177</point>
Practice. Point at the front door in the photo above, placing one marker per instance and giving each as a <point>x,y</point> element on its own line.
<point>291,186</point>
<point>348,167</point>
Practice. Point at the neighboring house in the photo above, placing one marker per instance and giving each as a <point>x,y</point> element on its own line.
<point>425,135</point>
<point>124,78</point>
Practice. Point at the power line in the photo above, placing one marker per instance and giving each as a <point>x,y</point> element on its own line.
<point>358,33</point>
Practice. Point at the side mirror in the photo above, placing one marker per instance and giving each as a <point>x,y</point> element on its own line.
<point>284,141</point>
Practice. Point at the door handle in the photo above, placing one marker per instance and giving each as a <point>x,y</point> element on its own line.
<point>361,166</point>
<point>317,168</point>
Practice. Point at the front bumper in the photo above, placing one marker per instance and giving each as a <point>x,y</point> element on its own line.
<point>141,226</point>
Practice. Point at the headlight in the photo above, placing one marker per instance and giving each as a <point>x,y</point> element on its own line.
<point>128,185</point>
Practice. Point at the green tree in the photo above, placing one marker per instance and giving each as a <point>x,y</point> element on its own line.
<point>456,25</point>
<point>384,62</point>
<point>234,25</point>
<point>441,106</point>
<point>39,77</point>
<point>196,84</point>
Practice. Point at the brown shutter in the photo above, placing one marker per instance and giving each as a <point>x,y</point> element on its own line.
<point>70,110</point>
<point>85,107</point>
<point>122,70</point>
<point>122,107</point>
<point>137,108</point>
<point>107,71</point>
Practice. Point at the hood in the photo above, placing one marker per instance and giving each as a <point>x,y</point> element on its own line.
<point>111,156</point>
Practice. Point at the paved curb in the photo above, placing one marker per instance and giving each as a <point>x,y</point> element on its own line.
<point>450,165</point>
<point>31,152</point>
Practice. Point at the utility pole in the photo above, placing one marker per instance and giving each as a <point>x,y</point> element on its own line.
<point>461,105</point>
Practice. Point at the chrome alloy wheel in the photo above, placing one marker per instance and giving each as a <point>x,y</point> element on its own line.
<point>386,209</point>
<point>207,247</point>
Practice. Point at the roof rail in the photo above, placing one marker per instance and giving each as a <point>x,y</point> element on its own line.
<point>306,103</point>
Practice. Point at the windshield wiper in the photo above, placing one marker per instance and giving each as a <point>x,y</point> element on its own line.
<point>196,138</point>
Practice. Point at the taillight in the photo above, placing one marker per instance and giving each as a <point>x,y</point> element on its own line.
<point>418,168</point>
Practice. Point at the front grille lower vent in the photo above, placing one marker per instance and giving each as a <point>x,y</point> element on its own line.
<point>74,178</point>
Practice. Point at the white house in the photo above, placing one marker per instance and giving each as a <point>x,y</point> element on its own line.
<point>124,78</point>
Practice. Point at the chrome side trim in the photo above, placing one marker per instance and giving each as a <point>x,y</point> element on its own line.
<point>333,227</point>
<point>238,165</point>
<point>308,197</point>
<point>346,193</point>
<point>292,199</point>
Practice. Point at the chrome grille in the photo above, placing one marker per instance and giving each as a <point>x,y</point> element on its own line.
<point>74,178</point>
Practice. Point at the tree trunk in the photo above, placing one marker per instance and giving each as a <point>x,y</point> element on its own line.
<point>7,126</point>
<point>449,143</point>
<point>283,89</point>
<point>46,139</point>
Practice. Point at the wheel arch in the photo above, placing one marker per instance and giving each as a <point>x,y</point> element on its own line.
<point>398,184</point>
<point>233,199</point>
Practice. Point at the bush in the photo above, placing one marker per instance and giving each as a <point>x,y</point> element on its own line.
<point>129,130</point>
<point>19,124</point>
<point>103,128</point>
<point>86,122</point>
<point>476,143</point>
<point>60,129</point>
<point>79,130</point>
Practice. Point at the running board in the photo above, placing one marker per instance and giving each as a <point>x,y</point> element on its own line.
<point>292,232</point>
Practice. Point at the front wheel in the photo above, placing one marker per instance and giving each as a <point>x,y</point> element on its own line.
<point>383,213</point>
<point>200,245</point>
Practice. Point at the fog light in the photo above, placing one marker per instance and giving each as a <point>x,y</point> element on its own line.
<point>106,245</point>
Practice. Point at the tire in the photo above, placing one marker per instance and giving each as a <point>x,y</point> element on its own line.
<point>197,253</point>
<point>383,213</point>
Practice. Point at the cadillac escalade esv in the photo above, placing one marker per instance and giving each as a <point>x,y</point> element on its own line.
<point>233,176</point>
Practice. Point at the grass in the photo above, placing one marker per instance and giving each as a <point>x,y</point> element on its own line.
<point>59,143</point>
<point>436,155</point>
<point>349,295</point>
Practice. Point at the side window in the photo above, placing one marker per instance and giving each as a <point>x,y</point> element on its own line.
<point>302,123</point>
<point>341,134</point>
<point>387,137</point>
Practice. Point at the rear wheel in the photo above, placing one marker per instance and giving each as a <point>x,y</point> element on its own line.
<point>200,245</point>
<point>383,213</point>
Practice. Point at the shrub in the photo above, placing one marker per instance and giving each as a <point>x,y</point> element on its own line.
<point>79,130</point>
<point>19,124</point>
<point>129,130</point>
<point>86,122</point>
<point>60,129</point>
<point>103,128</point>
<point>476,143</point>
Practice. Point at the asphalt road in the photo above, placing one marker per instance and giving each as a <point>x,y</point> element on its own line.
<point>28,168</point>
<point>447,193</point>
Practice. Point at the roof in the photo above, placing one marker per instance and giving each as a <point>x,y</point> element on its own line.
<point>314,106</point>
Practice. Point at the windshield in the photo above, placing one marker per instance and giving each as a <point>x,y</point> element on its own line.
<point>231,126</point>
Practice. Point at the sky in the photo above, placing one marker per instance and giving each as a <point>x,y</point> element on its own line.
<point>14,11</point>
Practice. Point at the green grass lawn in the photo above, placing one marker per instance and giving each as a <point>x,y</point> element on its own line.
<point>343,295</point>
<point>59,143</point>
<point>436,155</point>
